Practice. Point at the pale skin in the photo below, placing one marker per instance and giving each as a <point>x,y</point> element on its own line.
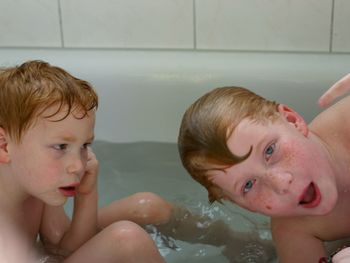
<point>340,88</point>
<point>342,257</point>
<point>52,162</point>
<point>298,174</point>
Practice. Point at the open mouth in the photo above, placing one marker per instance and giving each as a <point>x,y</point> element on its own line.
<point>68,190</point>
<point>311,196</point>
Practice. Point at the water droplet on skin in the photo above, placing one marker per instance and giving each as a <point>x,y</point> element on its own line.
<point>144,201</point>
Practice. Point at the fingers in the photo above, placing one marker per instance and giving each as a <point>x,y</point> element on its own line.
<point>338,89</point>
<point>343,256</point>
<point>88,182</point>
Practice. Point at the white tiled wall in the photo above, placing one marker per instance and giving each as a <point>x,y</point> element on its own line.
<point>258,25</point>
<point>29,23</point>
<point>341,32</point>
<point>128,23</point>
<point>296,25</point>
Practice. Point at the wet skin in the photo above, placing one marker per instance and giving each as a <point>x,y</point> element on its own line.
<point>44,168</point>
<point>285,175</point>
<point>297,174</point>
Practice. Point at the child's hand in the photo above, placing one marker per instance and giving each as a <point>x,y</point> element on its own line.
<point>343,256</point>
<point>89,181</point>
<point>337,90</point>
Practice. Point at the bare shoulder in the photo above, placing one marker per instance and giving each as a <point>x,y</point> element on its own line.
<point>337,110</point>
<point>295,225</point>
<point>334,225</point>
<point>295,240</point>
<point>342,106</point>
<point>24,220</point>
<point>295,229</point>
<point>294,236</point>
<point>333,123</point>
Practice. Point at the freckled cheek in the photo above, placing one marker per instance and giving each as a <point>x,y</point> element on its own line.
<point>268,207</point>
<point>293,154</point>
<point>263,202</point>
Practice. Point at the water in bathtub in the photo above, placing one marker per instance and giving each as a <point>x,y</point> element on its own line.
<point>198,231</point>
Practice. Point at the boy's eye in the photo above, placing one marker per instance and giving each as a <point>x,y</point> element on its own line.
<point>60,146</point>
<point>269,151</point>
<point>248,186</point>
<point>86,145</point>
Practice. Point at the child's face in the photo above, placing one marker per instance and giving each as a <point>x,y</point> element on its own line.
<point>287,174</point>
<point>52,156</point>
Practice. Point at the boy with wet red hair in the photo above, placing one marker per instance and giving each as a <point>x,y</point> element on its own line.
<point>263,156</point>
<point>47,119</point>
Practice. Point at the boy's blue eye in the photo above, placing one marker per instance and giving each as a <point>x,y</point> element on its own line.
<point>86,145</point>
<point>269,151</point>
<point>248,186</point>
<point>60,146</point>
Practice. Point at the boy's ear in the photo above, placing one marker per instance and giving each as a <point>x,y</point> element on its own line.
<point>4,155</point>
<point>294,118</point>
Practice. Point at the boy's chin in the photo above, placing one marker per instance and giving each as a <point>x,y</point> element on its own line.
<point>327,205</point>
<point>58,202</point>
<point>330,201</point>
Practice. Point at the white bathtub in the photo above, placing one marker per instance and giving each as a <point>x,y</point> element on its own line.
<point>143,95</point>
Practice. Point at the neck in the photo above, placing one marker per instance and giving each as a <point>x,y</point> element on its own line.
<point>338,160</point>
<point>12,195</point>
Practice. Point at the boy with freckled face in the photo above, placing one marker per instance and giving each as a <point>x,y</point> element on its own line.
<point>47,119</point>
<point>264,157</point>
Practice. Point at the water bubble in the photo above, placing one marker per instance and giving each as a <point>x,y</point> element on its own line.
<point>201,253</point>
<point>252,253</point>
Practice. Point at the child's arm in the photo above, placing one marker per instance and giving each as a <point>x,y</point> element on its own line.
<point>294,243</point>
<point>57,228</point>
<point>84,219</point>
<point>338,89</point>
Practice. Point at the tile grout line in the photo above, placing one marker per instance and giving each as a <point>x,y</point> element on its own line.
<point>331,28</point>
<point>194,26</point>
<point>60,22</point>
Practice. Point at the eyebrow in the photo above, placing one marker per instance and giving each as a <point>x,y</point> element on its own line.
<point>236,185</point>
<point>92,138</point>
<point>69,138</point>
<point>259,145</point>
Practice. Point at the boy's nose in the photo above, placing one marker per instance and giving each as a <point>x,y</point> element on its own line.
<point>75,166</point>
<point>279,181</point>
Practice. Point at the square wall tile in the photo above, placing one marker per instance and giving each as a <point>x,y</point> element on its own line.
<point>128,23</point>
<point>266,25</point>
<point>341,26</point>
<point>29,23</point>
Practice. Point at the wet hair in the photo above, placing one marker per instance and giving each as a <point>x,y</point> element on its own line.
<point>27,90</point>
<point>208,123</point>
